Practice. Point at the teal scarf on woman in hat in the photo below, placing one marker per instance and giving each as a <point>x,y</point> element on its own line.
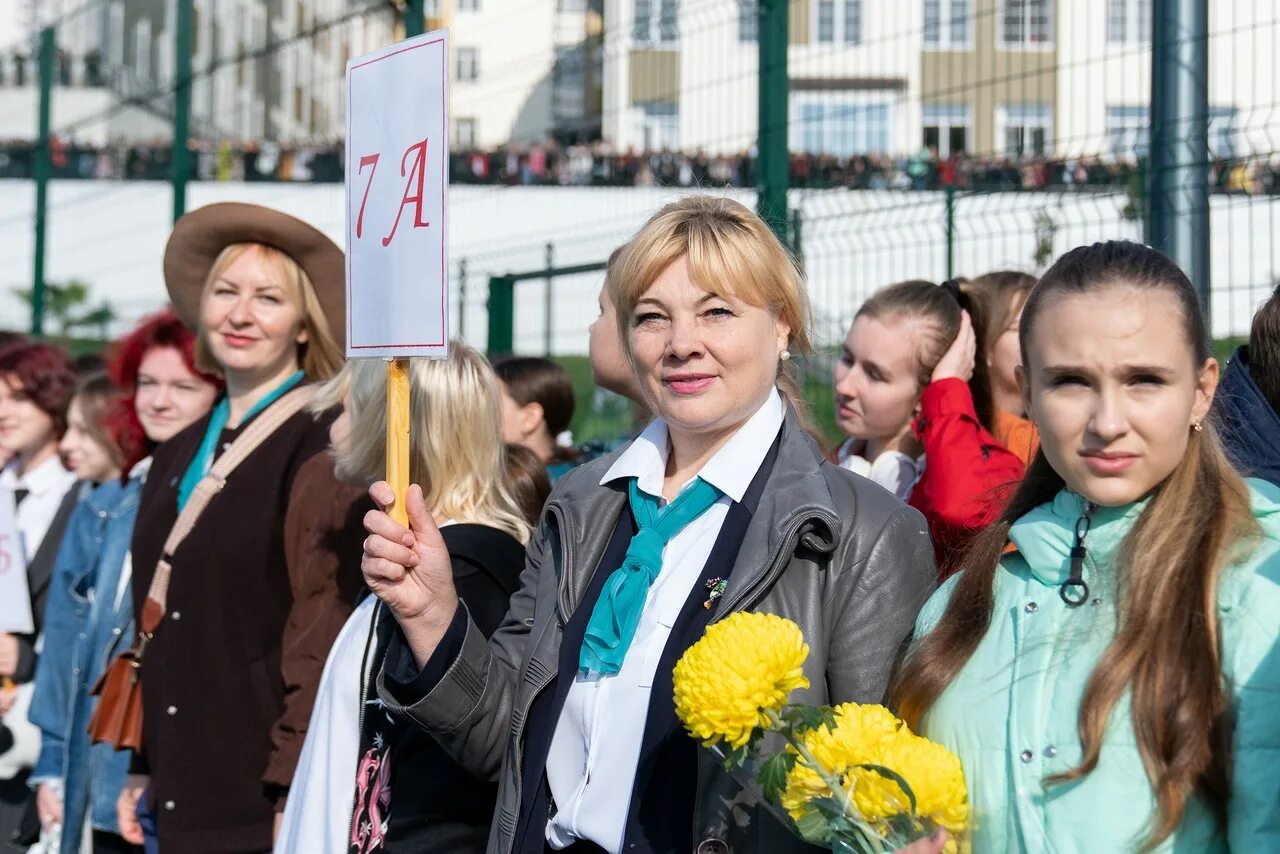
<point>203,460</point>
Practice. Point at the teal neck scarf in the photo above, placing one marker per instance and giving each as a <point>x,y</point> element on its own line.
<point>203,460</point>
<point>613,621</point>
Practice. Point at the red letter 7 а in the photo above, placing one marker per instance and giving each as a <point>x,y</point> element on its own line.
<point>365,161</point>
<point>412,194</point>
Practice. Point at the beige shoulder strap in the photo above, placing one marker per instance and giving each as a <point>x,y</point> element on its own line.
<point>211,484</point>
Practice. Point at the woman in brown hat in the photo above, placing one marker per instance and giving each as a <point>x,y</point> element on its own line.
<point>231,672</point>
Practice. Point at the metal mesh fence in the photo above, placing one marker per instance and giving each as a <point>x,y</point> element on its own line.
<point>928,138</point>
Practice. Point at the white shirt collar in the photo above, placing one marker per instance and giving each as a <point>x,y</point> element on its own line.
<point>731,468</point>
<point>50,475</point>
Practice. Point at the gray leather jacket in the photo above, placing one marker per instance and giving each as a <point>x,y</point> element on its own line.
<point>826,548</point>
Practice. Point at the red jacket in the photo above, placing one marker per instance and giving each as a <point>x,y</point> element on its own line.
<point>968,475</point>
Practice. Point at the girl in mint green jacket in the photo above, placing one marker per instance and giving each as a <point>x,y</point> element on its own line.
<point>1106,664</point>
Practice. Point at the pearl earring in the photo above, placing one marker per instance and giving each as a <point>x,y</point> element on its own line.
<point>785,355</point>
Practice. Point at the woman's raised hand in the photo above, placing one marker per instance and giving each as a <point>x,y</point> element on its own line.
<point>409,569</point>
<point>959,359</point>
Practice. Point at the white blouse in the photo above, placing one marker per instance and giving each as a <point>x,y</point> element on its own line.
<point>893,470</point>
<point>594,752</point>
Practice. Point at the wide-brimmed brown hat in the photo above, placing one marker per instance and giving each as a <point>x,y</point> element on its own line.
<point>200,236</point>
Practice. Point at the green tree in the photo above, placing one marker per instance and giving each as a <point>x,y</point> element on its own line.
<point>68,306</point>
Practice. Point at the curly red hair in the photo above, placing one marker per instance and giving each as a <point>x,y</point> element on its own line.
<point>45,373</point>
<point>162,329</point>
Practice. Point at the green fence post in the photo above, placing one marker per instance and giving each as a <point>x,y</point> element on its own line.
<point>179,158</point>
<point>951,232</point>
<point>502,306</point>
<point>774,88</point>
<point>549,306</point>
<point>1179,199</point>
<point>462,298</point>
<point>48,46</point>
<point>797,235</point>
<point>414,18</point>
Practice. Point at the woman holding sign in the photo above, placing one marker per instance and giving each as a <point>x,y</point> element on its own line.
<point>222,723</point>
<point>724,503</point>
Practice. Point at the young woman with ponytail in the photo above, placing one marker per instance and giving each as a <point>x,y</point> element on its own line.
<point>1105,663</point>
<point>916,403</point>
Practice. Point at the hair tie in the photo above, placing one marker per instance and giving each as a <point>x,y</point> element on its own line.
<point>952,286</point>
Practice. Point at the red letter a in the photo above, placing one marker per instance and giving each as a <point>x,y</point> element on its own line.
<point>412,195</point>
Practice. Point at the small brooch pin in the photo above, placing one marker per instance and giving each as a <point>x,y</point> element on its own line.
<point>716,587</point>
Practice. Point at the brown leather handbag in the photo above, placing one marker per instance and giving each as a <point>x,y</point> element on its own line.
<point>117,719</point>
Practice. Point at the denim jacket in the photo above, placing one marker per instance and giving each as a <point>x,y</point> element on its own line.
<point>87,623</point>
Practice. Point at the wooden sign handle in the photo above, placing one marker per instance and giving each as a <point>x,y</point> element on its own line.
<point>398,435</point>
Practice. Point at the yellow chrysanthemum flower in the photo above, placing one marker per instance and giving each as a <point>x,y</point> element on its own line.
<point>871,735</point>
<point>853,741</point>
<point>744,666</point>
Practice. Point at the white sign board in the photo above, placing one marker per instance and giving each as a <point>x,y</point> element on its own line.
<point>397,189</point>
<point>15,597</point>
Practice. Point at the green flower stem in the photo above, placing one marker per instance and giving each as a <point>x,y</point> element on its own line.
<point>776,724</point>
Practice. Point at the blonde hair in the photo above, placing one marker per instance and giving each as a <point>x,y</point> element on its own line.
<point>319,357</point>
<point>730,250</point>
<point>455,439</point>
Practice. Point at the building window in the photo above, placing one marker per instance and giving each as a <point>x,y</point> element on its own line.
<point>468,64</point>
<point>748,20</point>
<point>1026,24</point>
<point>947,128</point>
<point>1024,130</point>
<point>657,125</point>
<point>468,5</point>
<point>464,132</point>
<point>142,49</point>
<point>826,21</point>
<point>948,23</point>
<point>853,21</point>
<point>1129,21</point>
<point>830,27</point>
<point>842,124</point>
<point>1128,131</point>
<point>1222,132</point>
<point>655,22</point>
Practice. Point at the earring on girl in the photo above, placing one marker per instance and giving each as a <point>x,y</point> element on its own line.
<point>785,355</point>
<point>1198,426</point>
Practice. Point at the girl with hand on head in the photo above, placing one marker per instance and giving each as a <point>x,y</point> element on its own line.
<point>915,401</point>
<point>722,504</point>
<point>155,392</point>
<point>1109,648</point>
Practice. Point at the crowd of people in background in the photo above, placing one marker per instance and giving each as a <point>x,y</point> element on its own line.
<point>1025,466</point>
<point>599,164</point>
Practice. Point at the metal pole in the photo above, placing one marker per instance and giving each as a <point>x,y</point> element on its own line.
<point>771,146</point>
<point>48,46</point>
<point>414,18</point>
<point>1179,196</point>
<point>502,299</point>
<point>179,156</point>
<point>951,231</point>
<point>548,307</point>
<point>462,298</point>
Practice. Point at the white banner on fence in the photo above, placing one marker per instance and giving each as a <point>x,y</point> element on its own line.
<point>397,190</point>
<point>15,597</point>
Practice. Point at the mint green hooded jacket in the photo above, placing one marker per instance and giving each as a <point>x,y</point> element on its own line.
<point>1011,713</point>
